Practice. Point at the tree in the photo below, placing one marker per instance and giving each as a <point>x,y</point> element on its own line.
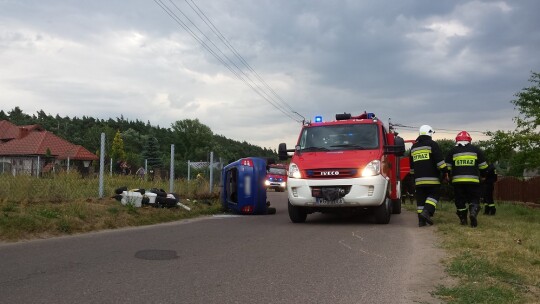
<point>528,105</point>
<point>16,116</point>
<point>445,145</point>
<point>117,149</point>
<point>193,138</point>
<point>519,148</point>
<point>151,152</point>
<point>527,133</point>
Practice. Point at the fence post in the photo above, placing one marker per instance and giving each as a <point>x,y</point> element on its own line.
<point>171,175</point>
<point>102,165</point>
<point>211,170</point>
<point>38,164</point>
<point>188,170</point>
<point>68,164</point>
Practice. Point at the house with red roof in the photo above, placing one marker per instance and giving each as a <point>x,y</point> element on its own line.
<point>33,150</point>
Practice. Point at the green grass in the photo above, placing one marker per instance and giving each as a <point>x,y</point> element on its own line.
<point>42,220</point>
<point>497,262</point>
<point>64,187</point>
<point>66,204</point>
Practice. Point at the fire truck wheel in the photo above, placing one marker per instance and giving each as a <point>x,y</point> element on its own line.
<point>382,213</point>
<point>296,214</point>
<point>396,206</point>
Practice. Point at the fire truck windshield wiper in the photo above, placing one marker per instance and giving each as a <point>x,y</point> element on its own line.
<point>352,146</point>
<point>315,149</point>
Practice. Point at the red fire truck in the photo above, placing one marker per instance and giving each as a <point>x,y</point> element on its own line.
<point>276,177</point>
<point>345,165</point>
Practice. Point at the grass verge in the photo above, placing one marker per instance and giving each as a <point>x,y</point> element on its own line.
<point>30,220</point>
<point>497,262</point>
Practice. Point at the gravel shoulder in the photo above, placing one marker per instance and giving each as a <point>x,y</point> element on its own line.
<point>426,270</point>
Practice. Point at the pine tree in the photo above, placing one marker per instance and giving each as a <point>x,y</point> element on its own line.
<point>151,153</point>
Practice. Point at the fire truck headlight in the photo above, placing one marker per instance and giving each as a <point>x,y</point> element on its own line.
<point>294,171</point>
<point>372,169</point>
<point>267,182</point>
<point>283,184</point>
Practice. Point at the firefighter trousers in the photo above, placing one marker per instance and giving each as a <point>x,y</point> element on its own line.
<point>487,194</point>
<point>427,197</point>
<point>465,194</point>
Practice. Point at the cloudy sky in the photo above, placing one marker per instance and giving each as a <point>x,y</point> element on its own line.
<point>451,64</point>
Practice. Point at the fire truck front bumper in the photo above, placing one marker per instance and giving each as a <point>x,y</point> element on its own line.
<point>353,192</point>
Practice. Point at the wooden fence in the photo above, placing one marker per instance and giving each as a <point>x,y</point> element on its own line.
<point>518,190</point>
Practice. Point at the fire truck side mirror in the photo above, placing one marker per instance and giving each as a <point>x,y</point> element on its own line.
<point>282,152</point>
<point>397,149</point>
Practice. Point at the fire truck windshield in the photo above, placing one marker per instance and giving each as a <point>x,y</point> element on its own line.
<point>340,137</point>
<point>277,171</point>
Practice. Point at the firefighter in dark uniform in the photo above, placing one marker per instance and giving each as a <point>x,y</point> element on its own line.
<point>488,185</point>
<point>466,163</point>
<point>427,163</point>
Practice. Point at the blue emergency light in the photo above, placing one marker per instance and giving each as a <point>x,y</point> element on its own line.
<point>318,118</point>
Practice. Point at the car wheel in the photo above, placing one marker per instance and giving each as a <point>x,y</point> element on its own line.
<point>296,214</point>
<point>396,206</point>
<point>382,213</point>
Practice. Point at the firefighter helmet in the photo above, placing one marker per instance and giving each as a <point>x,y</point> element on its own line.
<point>426,130</point>
<point>463,136</point>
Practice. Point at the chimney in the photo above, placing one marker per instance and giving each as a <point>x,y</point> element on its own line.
<point>23,132</point>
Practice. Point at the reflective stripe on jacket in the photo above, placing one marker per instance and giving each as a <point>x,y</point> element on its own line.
<point>466,163</point>
<point>426,161</point>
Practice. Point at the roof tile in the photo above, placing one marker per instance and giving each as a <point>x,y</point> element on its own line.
<point>37,142</point>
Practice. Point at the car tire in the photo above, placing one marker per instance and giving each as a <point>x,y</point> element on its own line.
<point>383,212</point>
<point>396,206</point>
<point>296,214</point>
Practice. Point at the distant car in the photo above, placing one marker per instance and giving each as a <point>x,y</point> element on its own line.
<point>276,177</point>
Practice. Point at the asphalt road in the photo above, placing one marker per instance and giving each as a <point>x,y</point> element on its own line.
<point>230,259</point>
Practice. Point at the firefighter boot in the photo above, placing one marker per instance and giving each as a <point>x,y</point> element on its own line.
<point>473,214</point>
<point>462,214</point>
<point>492,210</point>
<point>487,210</point>
<point>426,216</point>
<point>421,221</point>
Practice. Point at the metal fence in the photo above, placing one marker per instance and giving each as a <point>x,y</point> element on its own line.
<point>518,190</point>
<point>32,183</point>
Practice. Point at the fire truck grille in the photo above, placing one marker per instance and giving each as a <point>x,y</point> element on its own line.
<point>332,173</point>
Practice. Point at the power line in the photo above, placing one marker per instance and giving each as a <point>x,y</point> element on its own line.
<point>253,86</point>
<point>226,42</point>
<point>438,130</point>
<point>224,55</point>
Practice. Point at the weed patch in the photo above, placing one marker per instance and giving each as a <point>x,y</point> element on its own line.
<point>497,262</point>
<point>64,226</point>
<point>478,293</point>
<point>48,213</point>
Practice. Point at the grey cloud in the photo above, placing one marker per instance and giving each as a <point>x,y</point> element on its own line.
<point>327,56</point>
